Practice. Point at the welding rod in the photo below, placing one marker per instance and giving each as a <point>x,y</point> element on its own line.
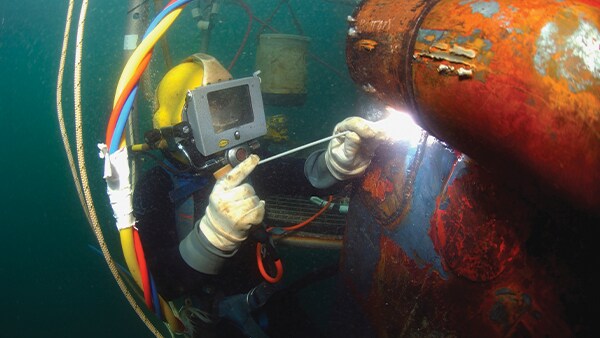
<point>303,147</point>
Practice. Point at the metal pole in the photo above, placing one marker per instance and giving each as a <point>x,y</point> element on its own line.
<point>135,25</point>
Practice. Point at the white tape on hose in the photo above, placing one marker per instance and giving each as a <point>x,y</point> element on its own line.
<point>130,41</point>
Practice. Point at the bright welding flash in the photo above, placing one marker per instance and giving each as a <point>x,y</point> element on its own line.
<point>400,127</point>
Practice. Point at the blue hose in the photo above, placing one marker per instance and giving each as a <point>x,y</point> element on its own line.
<point>155,299</point>
<point>124,114</point>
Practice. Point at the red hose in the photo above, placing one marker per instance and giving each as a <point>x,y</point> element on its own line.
<point>278,264</point>
<point>261,267</point>
<point>139,254</point>
<point>114,115</point>
<point>312,218</point>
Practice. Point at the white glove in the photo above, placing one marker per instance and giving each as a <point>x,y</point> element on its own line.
<point>116,174</point>
<point>349,155</point>
<point>232,208</point>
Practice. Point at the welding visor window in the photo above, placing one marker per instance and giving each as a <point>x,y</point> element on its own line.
<point>230,108</point>
<point>225,114</point>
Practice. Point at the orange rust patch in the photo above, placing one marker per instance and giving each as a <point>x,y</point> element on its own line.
<point>377,186</point>
<point>365,44</point>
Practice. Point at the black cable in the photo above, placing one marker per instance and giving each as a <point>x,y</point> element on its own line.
<point>136,7</point>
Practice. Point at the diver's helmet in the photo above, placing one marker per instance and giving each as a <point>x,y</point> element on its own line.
<point>195,71</point>
<point>169,126</point>
<point>205,119</point>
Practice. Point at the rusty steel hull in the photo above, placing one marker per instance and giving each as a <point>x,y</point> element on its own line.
<point>437,246</point>
<point>513,84</point>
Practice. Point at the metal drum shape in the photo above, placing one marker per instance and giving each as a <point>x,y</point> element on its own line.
<point>513,84</point>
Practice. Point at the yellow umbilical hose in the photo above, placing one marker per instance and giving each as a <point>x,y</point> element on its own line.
<point>81,182</point>
<point>145,46</point>
<point>164,44</point>
<point>126,237</point>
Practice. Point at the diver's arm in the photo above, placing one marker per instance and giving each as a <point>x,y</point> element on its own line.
<point>316,171</point>
<point>346,156</point>
<point>156,222</point>
<point>232,210</point>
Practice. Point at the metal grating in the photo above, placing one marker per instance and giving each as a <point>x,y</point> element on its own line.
<point>285,211</point>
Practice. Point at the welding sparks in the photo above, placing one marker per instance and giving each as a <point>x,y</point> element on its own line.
<point>400,127</point>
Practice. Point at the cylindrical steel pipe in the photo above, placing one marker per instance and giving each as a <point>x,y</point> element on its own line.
<point>513,84</point>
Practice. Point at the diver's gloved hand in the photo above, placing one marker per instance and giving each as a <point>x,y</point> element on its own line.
<point>233,208</point>
<point>349,155</point>
<point>116,174</point>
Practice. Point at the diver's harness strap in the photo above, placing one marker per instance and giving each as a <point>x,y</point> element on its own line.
<point>186,186</point>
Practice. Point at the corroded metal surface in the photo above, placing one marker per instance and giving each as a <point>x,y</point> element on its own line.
<point>379,32</point>
<point>437,246</point>
<point>443,245</point>
<point>513,84</point>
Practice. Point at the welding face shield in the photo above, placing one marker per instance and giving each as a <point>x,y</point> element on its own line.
<point>205,119</point>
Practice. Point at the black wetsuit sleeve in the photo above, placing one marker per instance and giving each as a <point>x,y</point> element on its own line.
<point>316,171</point>
<point>156,222</point>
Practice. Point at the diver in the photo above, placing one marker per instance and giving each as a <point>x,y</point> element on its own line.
<point>196,230</point>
